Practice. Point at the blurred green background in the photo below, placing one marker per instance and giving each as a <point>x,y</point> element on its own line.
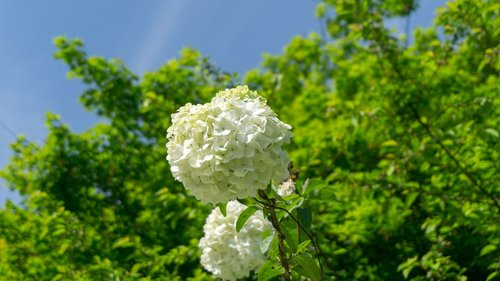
<point>398,134</point>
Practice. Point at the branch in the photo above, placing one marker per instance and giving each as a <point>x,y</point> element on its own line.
<point>453,158</point>
<point>297,221</point>
<point>281,236</point>
<point>429,132</point>
<point>309,235</point>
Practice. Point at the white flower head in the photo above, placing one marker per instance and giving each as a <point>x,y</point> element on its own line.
<point>286,188</point>
<point>228,148</point>
<point>228,254</point>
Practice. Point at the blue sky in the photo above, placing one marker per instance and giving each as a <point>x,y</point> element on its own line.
<point>144,34</point>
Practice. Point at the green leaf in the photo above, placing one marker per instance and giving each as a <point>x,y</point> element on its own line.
<point>488,249</point>
<point>222,208</point>
<point>340,251</point>
<point>407,266</point>
<point>290,229</point>
<point>410,198</point>
<point>303,246</point>
<point>305,186</point>
<point>448,142</point>
<point>308,267</point>
<point>425,166</point>
<point>320,10</point>
<point>137,267</point>
<point>313,184</point>
<point>57,277</point>
<point>492,275</point>
<point>389,143</point>
<point>273,250</point>
<point>269,270</point>
<point>269,189</point>
<point>291,205</point>
<point>63,248</point>
<point>406,272</point>
<point>267,239</point>
<point>305,217</point>
<point>122,243</point>
<point>492,132</point>
<point>244,216</point>
<point>291,197</point>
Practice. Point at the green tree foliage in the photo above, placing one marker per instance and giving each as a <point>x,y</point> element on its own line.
<point>399,140</point>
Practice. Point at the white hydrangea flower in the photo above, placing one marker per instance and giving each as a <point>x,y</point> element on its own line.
<point>228,148</point>
<point>286,188</point>
<point>228,254</point>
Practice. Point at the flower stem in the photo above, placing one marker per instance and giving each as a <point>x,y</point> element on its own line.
<point>281,236</point>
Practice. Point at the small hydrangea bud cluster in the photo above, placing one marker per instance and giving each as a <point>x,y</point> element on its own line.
<point>223,150</point>
<point>228,148</point>
<point>228,254</point>
<point>286,188</point>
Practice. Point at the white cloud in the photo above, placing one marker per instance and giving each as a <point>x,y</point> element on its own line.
<point>162,29</point>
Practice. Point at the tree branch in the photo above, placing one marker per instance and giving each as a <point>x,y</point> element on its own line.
<point>297,221</point>
<point>281,236</point>
<point>426,127</point>
<point>453,158</point>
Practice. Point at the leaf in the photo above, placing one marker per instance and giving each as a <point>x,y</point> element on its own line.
<point>389,143</point>
<point>244,216</point>
<point>307,267</point>
<point>320,10</point>
<point>448,142</point>
<point>293,204</point>
<point>312,185</point>
<point>407,266</point>
<point>390,170</point>
<point>137,267</point>
<point>63,248</point>
<point>269,270</point>
<point>425,166</point>
<point>44,232</point>
<point>289,228</point>
<point>406,272</point>
<point>305,217</point>
<point>58,232</point>
<point>269,189</point>
<point>410,198</point>
<point>291,197</point>
<point>303,246</point>
<point>305,186</point>
<point>492,275</point>
<point>340,251</point>
<point>488,249</point>
<point>57,277</point>
<point>267,239</point>
<point>492,132</point>
<point>122,243</point>
<point>222,208</point>
<point>273,250</point>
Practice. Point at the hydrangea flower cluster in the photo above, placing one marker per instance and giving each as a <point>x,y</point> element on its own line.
<point>228,254</point>
<point>286,188</point>
<point>228,148</point>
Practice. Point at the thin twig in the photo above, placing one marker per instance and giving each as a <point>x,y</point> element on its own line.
<point>453,158</point>
<point>8,129</point>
